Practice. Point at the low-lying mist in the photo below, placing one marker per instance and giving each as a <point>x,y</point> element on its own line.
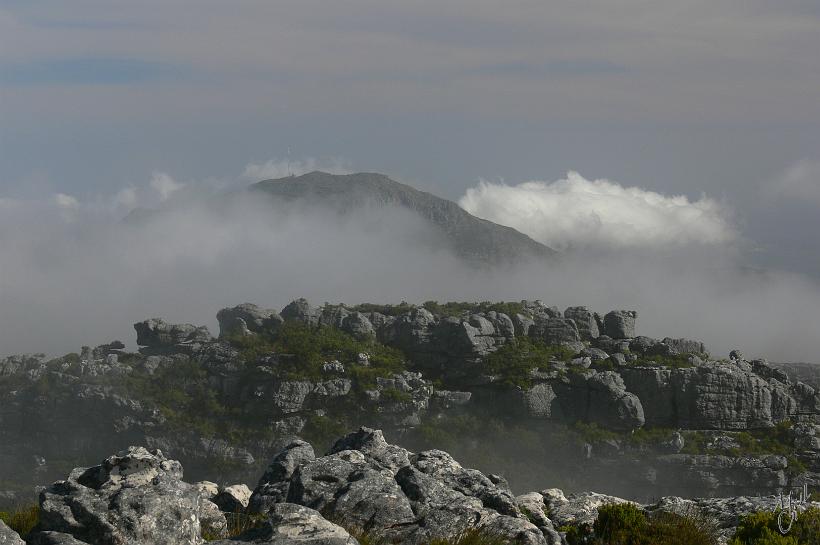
<point>74,274</point>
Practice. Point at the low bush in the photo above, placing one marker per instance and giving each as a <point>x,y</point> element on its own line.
<point>515,359</point>
<point>760,528</point>
<point>22,520</point>
<point>627,524</point>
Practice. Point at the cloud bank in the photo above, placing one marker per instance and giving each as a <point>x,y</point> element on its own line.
<point>86,277</point>
<point>580,213</point>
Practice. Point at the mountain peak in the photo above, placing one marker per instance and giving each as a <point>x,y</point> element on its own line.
<point>475,239</point>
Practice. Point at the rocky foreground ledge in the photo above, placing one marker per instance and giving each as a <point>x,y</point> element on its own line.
<point>363,487</point>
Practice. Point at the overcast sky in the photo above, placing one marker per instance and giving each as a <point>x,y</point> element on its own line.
<point>646,102</point>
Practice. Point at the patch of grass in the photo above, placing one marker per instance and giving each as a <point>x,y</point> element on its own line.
<point>458,309</point>
<point>323,431</point>
<point>679,361</point>
<point>22,520</point>
<point>473,536</point>
<point>307,348</point>
<point>513,361</point>
<point>387,310</point>
<point>626,524</point>
<point>760,528</point>
<point>238,524</point>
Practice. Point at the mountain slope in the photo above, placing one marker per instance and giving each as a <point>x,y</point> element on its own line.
<point>472,238</point>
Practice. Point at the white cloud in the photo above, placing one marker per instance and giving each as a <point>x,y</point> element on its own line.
<point>66,202</point>
<point>280,168</point>
<point>164,185</point>
<point>126,198</point>
<point>801,181</point>
<point>577,213</point>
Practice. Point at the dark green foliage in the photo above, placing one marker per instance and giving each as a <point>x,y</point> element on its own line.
<point>622,523</point>
<point>238,524</point>
<point>679,361</point>
<point>303,350</point>
<point>458,309</point>
<point>760,528</point>
<point>388,310</point>
<point>22,520</point>
<point>626,524</point>
<point>515,359</point>
<point>323,431</point>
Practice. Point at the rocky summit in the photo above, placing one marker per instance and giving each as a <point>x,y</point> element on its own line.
<point>362,490</point>
<point>532,396</point>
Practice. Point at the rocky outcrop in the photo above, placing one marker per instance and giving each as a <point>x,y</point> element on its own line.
<point>156,334</point>
<point>289,524</point>
<point>601,398</point>
<point>586,322</point>
<point>9,536</point>
<point>620,324</point>
<point>246,319</point>
<point>134,497</point>
<point>401,496</point>
<point>696,397</point>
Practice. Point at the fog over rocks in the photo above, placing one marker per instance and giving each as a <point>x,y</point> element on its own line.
<point>79,274</point>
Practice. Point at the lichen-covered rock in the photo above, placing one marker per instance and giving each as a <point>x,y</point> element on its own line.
<point>555,330</point>
<point>411,498</point>
<point>9,536</point>
<point>134,497</point>
<point>301,311</point>
<point>274,485</point>
<point>600,398</point>
<point>156,333</point>
<point>585,321</point>
<point>233,499</point>
<point>358,325</point>
<point>576,509</point>
<point>292,524</point>
<point>695,397</point>
<point>620,324</point>
<point>246,319</point>
<point>533,507</point>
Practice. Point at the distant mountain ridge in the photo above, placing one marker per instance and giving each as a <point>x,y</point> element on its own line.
<point>471,238</point>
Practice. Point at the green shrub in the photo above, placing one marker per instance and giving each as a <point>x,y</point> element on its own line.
<point>22,520</point>
<point>473,536</point>
<point>760,528</point>
<point>458,309</point>
<point>620,524</point>
<point>627,524</point>
<point>388,310</point>
<point>515,359</point>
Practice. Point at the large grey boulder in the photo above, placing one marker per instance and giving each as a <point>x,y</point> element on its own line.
<point>533,507</point>
<point>555,330</point>
<point>301,311</point>
<point>233,499</point>
<point>620,324</point>
<point>9,536</point>
<point>246,319</point>
<point>358,325</point>
<point>601,398</point>
<point>134,497</point>
<point>695,397</point>
<point>156,333</point>
<point>274,485</point>
<point>585,321</point>
<point>292,524</point>
<point>391,493</point>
